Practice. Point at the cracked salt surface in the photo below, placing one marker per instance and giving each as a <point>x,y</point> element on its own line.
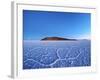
<point>45,54</point>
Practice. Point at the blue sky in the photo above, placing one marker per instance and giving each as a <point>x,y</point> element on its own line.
<point>40,24</point>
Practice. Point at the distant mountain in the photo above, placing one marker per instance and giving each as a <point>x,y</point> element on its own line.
<point>57,39</point>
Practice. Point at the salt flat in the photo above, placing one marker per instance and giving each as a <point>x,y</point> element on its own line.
<point>56,54</point>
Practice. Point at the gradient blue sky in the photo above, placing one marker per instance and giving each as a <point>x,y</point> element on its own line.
<point>40,24</point>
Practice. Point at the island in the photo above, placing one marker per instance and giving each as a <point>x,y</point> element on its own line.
<point>57,39</point>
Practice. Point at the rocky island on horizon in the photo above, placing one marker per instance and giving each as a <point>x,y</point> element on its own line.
<point>57,39</point>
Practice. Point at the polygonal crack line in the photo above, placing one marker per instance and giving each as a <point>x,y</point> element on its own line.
<point>55,62</point>
<point>54,51</point>
<point>56,59</point>
<point>36,62</point>
<point>41,58</point>
<point>26,54</point>
<point>48,64</point>
<point>67,53</point>
<point>37,48</point>
<point>57,51</point>
<point>77,55</point>
<point>74,57</point>
<point>53,48</point>
<point>40,47</point>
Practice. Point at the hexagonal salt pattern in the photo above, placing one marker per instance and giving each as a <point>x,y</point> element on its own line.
<point>56,54</point>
